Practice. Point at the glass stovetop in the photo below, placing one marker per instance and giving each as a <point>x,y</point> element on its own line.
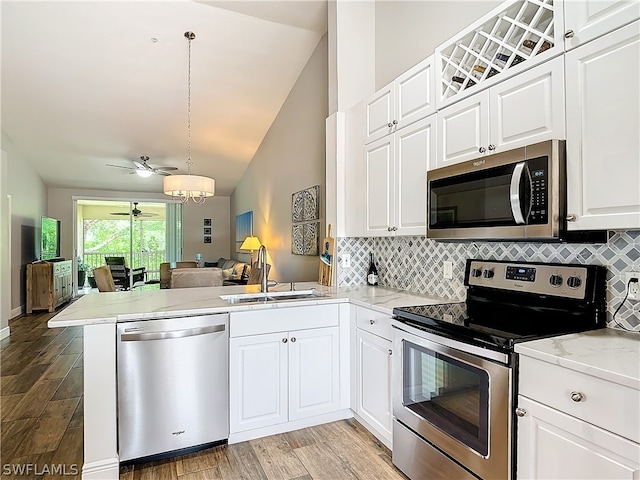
<point>500,330</point>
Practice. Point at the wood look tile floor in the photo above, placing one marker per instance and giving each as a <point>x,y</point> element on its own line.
<point>41,382</point>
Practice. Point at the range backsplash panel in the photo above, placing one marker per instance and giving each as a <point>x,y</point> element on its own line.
<point>416,264</point>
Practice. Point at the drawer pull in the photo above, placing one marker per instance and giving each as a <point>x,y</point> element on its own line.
<point>521,412</point>
<point>293,339</point>
<point>577,396</point>
<point>372,321</point>
<point>390,352</point>
<point>285,340</point>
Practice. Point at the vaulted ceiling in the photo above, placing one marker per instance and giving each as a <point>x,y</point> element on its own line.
<point>88,83</point>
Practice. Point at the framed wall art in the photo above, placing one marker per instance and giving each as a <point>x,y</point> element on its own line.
<point>305,205</point>
<point>244,228</point>
<point>305,238</point>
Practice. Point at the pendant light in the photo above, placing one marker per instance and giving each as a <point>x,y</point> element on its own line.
<point>189,187</point>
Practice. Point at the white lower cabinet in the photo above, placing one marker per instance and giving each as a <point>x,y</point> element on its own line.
<point>373,373</point>
<point>575,426</point>
<point>554,445</point>
<point>279,377</point>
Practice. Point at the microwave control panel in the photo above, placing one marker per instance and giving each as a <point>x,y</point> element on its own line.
<point>539,190</point>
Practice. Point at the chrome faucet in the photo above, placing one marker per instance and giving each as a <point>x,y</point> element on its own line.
<point>262,264</point>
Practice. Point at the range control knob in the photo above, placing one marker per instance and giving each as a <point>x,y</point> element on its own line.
<point>574,282</point>
<point>476,272</point>
<point>555,280</point>
<point>488,273</point>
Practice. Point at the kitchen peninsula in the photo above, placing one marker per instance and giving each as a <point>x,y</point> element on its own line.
<point>99,315</point>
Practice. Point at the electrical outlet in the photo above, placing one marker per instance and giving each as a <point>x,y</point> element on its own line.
<point>634,288</point>
<point>346,260</point>
<point>448,270</point>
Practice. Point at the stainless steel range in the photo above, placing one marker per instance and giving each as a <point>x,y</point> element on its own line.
<point>455,370</point>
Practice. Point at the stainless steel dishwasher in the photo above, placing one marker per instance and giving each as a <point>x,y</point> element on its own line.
<point>173,384</point>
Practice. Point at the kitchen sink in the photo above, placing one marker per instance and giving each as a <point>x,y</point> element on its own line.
<point>264,297</point>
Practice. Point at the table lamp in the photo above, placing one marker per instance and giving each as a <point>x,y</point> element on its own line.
<point>250,243</point>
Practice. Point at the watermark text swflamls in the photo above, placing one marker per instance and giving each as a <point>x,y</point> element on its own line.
<point>30,469</point>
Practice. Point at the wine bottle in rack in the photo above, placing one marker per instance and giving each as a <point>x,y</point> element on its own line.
<point>372,274</point>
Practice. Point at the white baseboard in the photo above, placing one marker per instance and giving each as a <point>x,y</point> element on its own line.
<point>16,312</point>
<point>290,426</point>
<point>108,469</point>
<point>385,437</point>
<point>4,333</point>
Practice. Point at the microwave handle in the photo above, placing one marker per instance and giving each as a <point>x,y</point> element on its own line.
<point>514,193</point>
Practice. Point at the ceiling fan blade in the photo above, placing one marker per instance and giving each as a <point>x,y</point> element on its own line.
<point>141,166</point>
<point>120,166</point>
<point>166,169</point>
<point>160,172</point>
<point>147,215</point>
<point>120,213</point>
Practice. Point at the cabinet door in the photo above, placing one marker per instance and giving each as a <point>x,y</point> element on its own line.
<point>415,148</point>
<point>379,170</point>
<point>373,379</point>
<point>257,381</point>
<point>590,19</point>
<point>463,130</point>
<point>379,110</point>
<point>554,445</point>
<point>528,108</point>
<point>602,132</point>
<point>314,372</point>
<point>414,92</point>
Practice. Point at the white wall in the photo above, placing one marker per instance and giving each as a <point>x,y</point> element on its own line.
<point>409,31</point>
<point>217,209</point>
<point>290,158</point>
<point>5,247</point>
<point>60,206</point>
<point>28,203</point>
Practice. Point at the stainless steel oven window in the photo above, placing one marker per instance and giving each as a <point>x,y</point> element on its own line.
<point>449,394</point>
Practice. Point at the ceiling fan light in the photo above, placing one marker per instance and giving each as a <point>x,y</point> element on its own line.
<point>185,187</point>
<point>144,173</point>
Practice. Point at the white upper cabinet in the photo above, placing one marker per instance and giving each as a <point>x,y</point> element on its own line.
<point>395,173</point>
<point>522,110</point>
<point>512,38</point>
<point>603,121</point>
<point>587,20</point>
<point>405,100</point>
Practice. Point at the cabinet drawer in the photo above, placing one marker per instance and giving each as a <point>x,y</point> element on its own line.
<point>62,268</point>
<point>608,405</point>
<point>374,322</point>
<point>282,319</point>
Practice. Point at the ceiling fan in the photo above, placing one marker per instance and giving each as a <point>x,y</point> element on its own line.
<point>143,169</point>
<point>136,212</point>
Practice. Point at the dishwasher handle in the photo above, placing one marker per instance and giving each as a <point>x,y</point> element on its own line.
<point>191,332</point>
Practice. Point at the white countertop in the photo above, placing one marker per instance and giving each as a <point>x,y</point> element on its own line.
<point>608,353</point>
<point>113,307</point>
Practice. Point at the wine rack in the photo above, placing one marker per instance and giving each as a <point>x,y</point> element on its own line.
<point>523,32</point>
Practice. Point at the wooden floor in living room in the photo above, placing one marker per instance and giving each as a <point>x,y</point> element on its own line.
<point>41,385</point>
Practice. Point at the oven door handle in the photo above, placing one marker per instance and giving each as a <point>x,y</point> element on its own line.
<point>514,193</point>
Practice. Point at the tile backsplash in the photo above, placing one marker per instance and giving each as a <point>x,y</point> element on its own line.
<point>415,264</point>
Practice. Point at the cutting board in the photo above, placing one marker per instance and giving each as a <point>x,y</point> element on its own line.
<point>327,259</point>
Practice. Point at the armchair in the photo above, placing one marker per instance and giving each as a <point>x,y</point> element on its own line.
<point>121,273</point>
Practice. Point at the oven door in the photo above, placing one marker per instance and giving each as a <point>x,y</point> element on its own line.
<point>456,401</point>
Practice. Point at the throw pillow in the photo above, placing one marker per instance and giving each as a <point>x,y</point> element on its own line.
<point>227,273</point>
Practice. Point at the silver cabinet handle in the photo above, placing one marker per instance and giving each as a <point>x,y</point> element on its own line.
<point>577,396</point>
<point>390,352</point>
<point>293,339</point>
<point>284,340</point>
<point>482,150</point>
<point>372,321</point>
<point>191,332</point>
<point>394,228</point>
<point>572,217</point>
<point>569,34</point>
<point>492,147</point>
<point>395,122</point>
<point>514,193</point>
<point>521,412</point>
<point>389,124</point>
<point>388,229</point>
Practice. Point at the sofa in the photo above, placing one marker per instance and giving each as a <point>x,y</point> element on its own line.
<point>234,272</point>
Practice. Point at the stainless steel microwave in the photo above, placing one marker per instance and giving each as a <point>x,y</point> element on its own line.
<point>519,195</point>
